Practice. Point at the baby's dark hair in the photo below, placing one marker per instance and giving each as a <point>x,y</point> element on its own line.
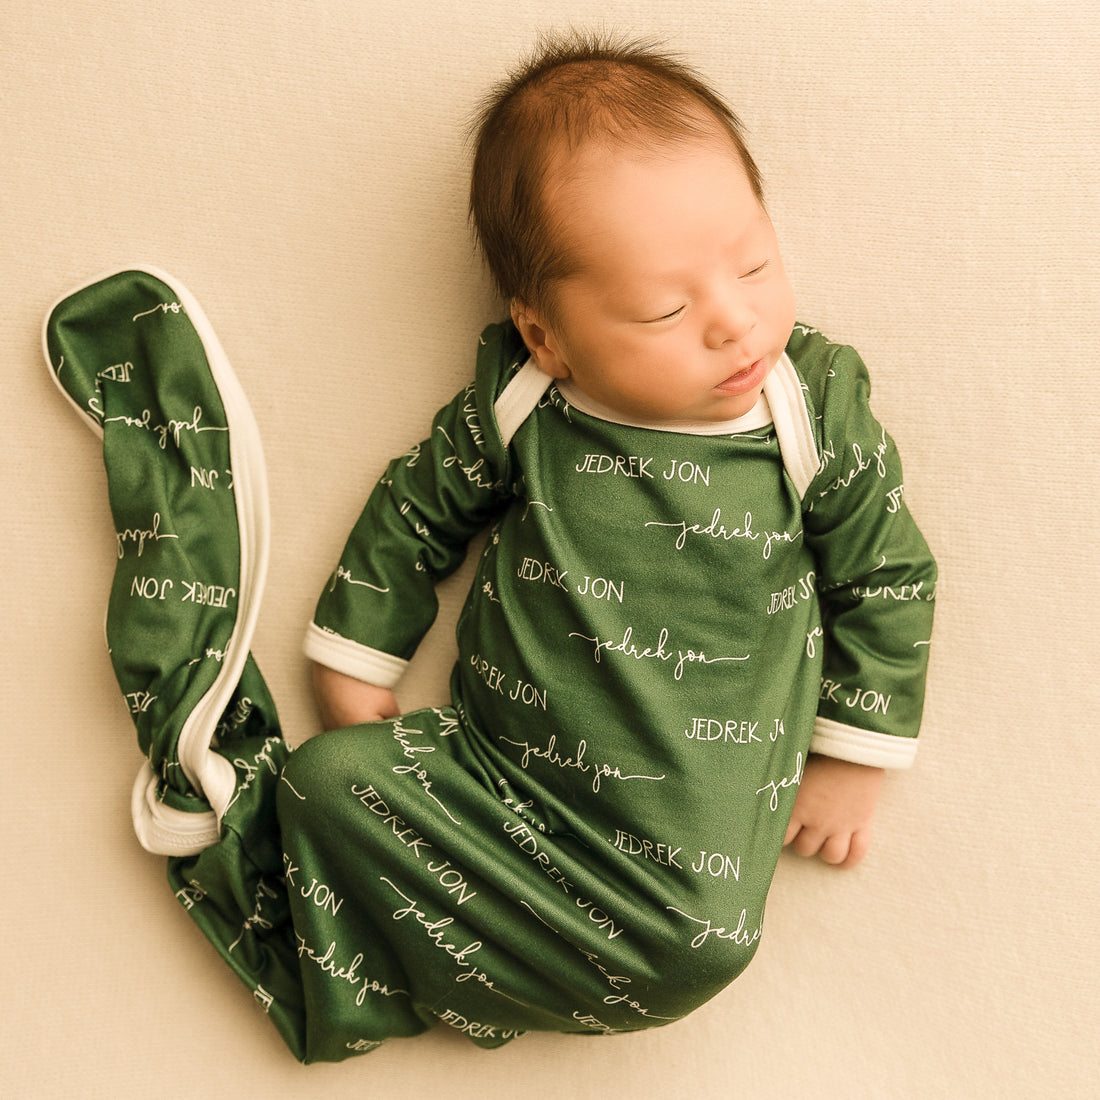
<point>572,90</point>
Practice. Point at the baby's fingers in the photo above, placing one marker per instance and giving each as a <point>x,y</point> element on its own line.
<point>836,849</point>
<point>840,849</point>
<point>808,841</point>
<point>846,850</point>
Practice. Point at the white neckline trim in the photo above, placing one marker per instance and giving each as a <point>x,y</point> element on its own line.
<point>759,416</point>
<point>782,405</point>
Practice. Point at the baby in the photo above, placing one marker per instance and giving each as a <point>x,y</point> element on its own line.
<point>698,630</point>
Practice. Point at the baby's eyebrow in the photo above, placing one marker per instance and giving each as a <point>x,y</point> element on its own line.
<point>758,221</point>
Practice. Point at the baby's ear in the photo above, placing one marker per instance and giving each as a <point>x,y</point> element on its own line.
<point>544,347</point>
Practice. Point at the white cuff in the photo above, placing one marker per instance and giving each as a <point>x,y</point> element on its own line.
<point>876,750</point>
<point>352,659</point>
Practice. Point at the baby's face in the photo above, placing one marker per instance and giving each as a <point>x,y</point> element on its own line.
<point>680,305</point>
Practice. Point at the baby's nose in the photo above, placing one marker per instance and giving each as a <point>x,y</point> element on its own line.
<point>731,320</point>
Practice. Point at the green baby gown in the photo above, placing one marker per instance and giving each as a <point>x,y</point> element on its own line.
<point>663,625</point>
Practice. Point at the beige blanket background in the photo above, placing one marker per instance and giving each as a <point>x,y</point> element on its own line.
<point>300,166</point>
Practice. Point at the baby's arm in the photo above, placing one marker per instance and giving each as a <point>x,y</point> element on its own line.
<point>414,531</point>
<point>876,579</point>
<point>344,701</point>
<point>833,810</point>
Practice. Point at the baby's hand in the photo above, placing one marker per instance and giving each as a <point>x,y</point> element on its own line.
<point>833,810</point>
<point>345,701</point>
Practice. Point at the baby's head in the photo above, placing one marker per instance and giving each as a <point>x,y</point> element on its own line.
<point>573,93</point>
<point>621,216</point>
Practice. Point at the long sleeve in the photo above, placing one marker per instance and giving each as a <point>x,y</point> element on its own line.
<point>876,576</point>
<point>413,532</point>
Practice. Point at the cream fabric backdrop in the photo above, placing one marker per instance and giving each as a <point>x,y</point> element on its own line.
<point>300,166</point>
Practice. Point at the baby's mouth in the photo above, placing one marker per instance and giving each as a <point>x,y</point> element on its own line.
<point>744,379</point>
